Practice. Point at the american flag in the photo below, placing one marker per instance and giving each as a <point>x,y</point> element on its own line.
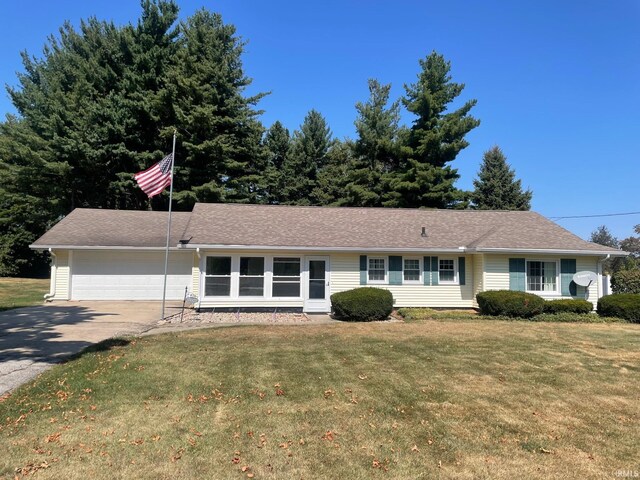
<point>154,179</point>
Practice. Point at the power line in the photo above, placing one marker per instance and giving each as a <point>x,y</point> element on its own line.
<point>596,216</point>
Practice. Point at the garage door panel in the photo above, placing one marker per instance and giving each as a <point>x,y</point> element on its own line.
<point>98,275</point>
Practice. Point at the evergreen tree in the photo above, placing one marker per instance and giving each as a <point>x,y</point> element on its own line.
<point>425,178</point>
<point>333,177</point>
<point>102,103</point>
<point>496,187</point>
<point>307,158</point>
<point>602,236</point>
<point>220,133</point>
<point>277,143</point>
<point>376,149</point>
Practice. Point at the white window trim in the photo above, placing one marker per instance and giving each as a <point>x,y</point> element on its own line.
<point>420,272</point>
<point>456,279</point>
<point>263,276</point>
<point>205,276</point>
<point>272,276</point>
<point>235,278</point>
<point>542,292</point>
<point>386,270</point>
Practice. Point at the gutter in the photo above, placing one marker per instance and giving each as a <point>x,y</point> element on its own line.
<point>322,249</point>
<point>52,289</point>
<point>99,247</point>
<point>551,251</point>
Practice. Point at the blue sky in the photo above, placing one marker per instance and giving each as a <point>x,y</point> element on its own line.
<point>557,83</point>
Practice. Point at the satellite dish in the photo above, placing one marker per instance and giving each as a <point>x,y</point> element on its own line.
<point>584,279</point>
<point>191,299</point>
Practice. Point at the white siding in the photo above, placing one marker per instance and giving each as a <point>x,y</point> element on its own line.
<point>345,275</point>
<point>497,272</point>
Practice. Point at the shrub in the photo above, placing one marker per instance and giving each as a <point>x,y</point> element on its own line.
<point>568,317</point>
<point>574,305</point>
<point>626,281</point>
<point>362,304</point>
<point>510,303</point>
<point>623,305</point>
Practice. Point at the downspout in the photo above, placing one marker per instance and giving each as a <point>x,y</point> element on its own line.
<point>600,275</point>
<point>199,278</point>
<point>54,270</point>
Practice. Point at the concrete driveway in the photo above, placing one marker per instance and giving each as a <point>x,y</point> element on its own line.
<point>34,338</point>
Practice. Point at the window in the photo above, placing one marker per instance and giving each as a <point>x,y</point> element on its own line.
<point>542,276</point>
<point>251,276</point>
<point>286,277</point>
<point>447,270</point>
<point>411,269</point>
<point>217,281</point>
<point>377,269</point>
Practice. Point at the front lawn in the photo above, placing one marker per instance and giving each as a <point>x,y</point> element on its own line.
<point>22,292</point>
<point>433,399</point>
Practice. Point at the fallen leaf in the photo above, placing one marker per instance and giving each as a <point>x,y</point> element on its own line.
<point>362,376</point>
<point>415,448</point>
<point>328,435</point>
<point>235,460</point>
<point>54,437</point>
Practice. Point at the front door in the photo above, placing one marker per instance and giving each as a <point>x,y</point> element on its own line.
<point>317,289</point>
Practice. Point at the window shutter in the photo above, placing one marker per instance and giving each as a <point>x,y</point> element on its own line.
<point>435,271</point>
<point>363,269</point>
<point>426,270</point>
<point>395,270</point>
<point>516,274</point>
<point>567,269</point>
<point>461,270</point>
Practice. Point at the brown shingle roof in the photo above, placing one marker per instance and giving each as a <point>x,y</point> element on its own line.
<point>317,227</point>
<point>377,228</point>
<point>89,227</point>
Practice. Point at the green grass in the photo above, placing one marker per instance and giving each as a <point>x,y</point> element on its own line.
<point>22,292</point>
<point>431,399</point>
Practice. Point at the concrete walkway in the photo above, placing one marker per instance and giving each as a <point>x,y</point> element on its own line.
<point>34,338</point>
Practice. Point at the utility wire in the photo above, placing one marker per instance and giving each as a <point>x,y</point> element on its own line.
<point>595,216</point>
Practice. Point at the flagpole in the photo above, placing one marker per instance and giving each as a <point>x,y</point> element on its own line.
<point>166,253</point>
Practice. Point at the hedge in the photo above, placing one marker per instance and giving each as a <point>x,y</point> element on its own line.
<point>626,281</point>
<point>574,305</point>
<point>510,303</point>
<point>623,305</point>
<point>362,304</point>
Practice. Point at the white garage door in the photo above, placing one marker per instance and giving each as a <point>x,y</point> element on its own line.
<point>102,275</point>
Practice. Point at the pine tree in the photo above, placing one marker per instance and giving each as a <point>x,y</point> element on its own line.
<point>307,158</point>
<point>221,136</point>
<point>102,103</point>
<point>277,143</point>
<point>425,178</point>
<point>496,187</point>
<point>375,151</point>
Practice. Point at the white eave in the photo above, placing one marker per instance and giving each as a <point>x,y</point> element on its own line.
<point>97,247</point>
<point>322,249</point>
<point>548,251</point>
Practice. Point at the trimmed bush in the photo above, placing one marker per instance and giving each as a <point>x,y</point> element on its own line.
<point>362,304</point>
<point>623,305</point>
<point>626,281</point>
<point>574,305</point>
<point>510,303</point>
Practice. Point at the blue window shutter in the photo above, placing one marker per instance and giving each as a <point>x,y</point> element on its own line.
<point>435,271</point>
<point>395,270</point>
<point>516,274</point>
<point>426,270</point>
<point>461,270</point>
<point>363,269</point>
<point>567,269</point>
